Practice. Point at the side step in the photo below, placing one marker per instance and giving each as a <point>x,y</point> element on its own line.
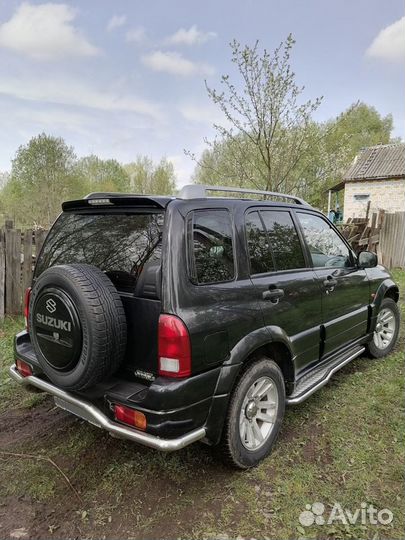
<point>318,377</point>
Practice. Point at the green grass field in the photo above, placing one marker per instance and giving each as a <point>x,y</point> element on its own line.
<point>345,444</point>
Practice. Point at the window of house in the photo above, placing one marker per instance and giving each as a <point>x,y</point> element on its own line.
<point>212,259</point>
<point>361,196</point>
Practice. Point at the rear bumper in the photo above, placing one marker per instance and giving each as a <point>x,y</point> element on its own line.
<point>86,410</point>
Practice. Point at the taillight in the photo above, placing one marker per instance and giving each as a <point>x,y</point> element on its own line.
<point>27,297</point>
<point>174,348</point>
<point>130,416</point>
<point>23,368</point>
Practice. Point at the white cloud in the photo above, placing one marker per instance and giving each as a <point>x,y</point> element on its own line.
<point>116,21</point>
<point>183,168</point>
<point>202,113</point>
<point>75,93</point>
<point>192,36</point>
<point>52,117</point>
<point>45,32</point>
<point>389,43</point>
<point>175,64</point>
<point>135,35</point>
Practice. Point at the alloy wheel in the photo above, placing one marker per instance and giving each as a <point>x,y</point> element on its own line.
<point>258,413</point>
<point>384,329</point>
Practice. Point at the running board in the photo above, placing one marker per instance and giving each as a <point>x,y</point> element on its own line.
<point>318,377</point>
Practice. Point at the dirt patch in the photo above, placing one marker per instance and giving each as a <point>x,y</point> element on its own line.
<point>25,518</point>
<point>18,426</point>
<point>126,491</point>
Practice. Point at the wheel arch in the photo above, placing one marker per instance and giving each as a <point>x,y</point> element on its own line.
<point>387,289</point>
<point>392,292</point>
<point>271,342</point>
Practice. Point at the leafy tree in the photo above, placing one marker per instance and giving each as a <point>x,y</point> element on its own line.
<point>42,176</point>
<point>4,178</point>
<point>268,127</point>
<point>359,126</point>
<point>146,177</point>
<point>340,139</point>
<point>335,144</point>
<point>102,175</point>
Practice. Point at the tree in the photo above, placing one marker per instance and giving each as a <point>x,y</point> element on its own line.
<point>335,144</point>
<point>359,126</point>
<point>4,178</point>
<point>147,177</point>
<point>340,139</point>
<point>42,176</point>
<point>102,175</point>
<point>268,129</point>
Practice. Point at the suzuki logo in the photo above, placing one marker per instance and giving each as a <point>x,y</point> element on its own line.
<point>50,305</point>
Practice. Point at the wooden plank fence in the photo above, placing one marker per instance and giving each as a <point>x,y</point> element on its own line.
<point>18,251</point>
<point>391,249</point>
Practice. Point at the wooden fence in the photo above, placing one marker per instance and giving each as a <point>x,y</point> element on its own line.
<point>17,258</point>
<point>391,248</point>
<point>18,251</point>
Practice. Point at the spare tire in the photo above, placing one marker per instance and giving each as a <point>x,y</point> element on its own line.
<point>77,325</point>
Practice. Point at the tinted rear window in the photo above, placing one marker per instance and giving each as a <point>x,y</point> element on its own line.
<point>122,245</point>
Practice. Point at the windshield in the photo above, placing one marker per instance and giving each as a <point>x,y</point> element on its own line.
<point>122,245</point>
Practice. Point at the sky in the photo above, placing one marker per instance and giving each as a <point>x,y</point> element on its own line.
<point>126,77</point>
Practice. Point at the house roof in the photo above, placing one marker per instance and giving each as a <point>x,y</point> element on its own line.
<point>378,162</point>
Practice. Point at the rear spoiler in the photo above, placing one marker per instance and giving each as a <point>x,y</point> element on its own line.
<point>103,200</point>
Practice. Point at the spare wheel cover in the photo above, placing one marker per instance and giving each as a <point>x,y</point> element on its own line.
<point>57,329</point>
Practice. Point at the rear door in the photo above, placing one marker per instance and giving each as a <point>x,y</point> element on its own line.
<point>345,287</point>
<point>126,245</point>
<point>287,288</point>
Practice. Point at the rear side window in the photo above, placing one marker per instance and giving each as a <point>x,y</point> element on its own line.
<point>273,242</point>
<point>261,259</point>
<point>284,240</point>
<point>211,250</point>
<point>121,245</point>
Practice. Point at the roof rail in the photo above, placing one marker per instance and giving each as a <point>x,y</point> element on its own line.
<point>199,191</point>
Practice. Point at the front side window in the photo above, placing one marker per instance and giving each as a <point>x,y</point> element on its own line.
<point>212,258</point>
<point>327,249</point>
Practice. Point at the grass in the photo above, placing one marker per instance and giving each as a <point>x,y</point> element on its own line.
<point>345,444</point>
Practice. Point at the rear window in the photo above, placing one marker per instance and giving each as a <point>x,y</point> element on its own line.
<point>121,245</point>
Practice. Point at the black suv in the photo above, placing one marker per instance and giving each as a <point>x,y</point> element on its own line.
<point>167,320</point>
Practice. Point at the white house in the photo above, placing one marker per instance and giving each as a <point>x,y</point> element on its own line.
<point>377,175</point>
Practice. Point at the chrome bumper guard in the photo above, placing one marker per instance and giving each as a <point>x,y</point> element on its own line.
<point>92,414</point>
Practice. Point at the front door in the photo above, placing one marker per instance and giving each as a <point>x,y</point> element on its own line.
<point>287,289</point>
<point>345,287</point>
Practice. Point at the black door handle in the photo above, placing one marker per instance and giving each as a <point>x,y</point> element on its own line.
<point>273,294</point>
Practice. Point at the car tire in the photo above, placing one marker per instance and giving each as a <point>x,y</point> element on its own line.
<point>77,325</point>
<point>240,445</point>
<point>386,330</point>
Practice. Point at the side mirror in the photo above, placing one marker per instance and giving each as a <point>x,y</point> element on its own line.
<point>367,259</point>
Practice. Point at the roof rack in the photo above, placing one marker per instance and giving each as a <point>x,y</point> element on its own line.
<point>199,191</point>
